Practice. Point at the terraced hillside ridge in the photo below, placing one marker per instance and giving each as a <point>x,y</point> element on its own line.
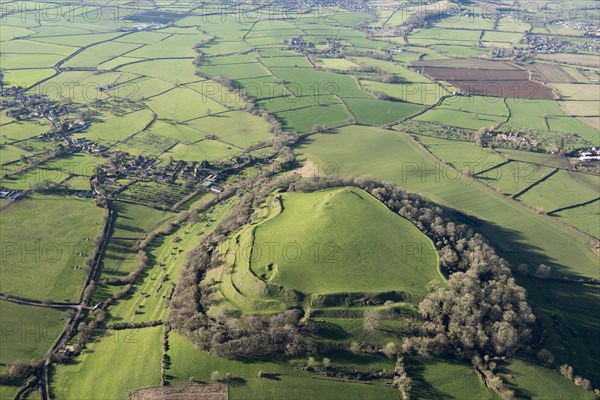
<point>311,247</point>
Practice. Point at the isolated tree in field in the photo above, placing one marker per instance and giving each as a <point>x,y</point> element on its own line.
<point>567,371</point>
<point>326,363</point>
<point>355,347</point>
<point>390,349</point>
<point>318,128</point>
<point>371,320</point>
<point>542,271</point>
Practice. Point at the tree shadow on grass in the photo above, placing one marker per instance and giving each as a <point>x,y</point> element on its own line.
<point>520,393</point>
<point>236,381</point>
<point>415,368</point>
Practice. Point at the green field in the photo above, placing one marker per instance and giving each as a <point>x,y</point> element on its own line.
<point>131,223</point>
<point>337,64</point>
<point>515,176</point>
<point>113,128</point>
<point>8,391</point>
<point>28,332</point>
<point>378,112</point>
<point>26,77</point>
<point>445,35</point>
<point>210,150</point>
<point>464,156</point>
<point>418,92</point>
<point>99,53</point>
<point>431,378</point>
<point>303,119</point>
<point>535,382</point>
<point>337,246</point>
<point>40,261</point>
<point>584,218</point>
<point>562,189</point>
<point>291,383</point>
<point>183,104</point>
<point>401,160</point>
<point>549,160</point>
<point>128,359</point>
<point>21,130</point>
<point>530,113</point>
<point>400,73</point>
<point>28,179</point>
<point>76,164</point>
<point>236,127</point>
<point>461,51</point>
<point>174,71</point>
<point>446,379</point>
<point>472,112</point>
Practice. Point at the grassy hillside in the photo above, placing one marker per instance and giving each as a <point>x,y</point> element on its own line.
<point>521,234</point>
<point>342,240</point>
<point>128,359</point>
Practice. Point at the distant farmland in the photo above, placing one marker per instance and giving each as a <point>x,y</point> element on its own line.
<point>498,79</point>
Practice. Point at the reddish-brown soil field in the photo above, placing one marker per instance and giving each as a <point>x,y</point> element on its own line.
<point>466,63</point>
<point>489,78</point>
<point>549,73</point>
<point>465,74</point>
<point>182,392</point>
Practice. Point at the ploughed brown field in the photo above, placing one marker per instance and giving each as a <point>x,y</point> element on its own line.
<point>488,78</point>
<point>549,73</point>
<point>182,392</point>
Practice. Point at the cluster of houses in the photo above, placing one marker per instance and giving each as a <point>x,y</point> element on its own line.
<point>25,106</point>
<point>333,46</point>
<point>74,145</point>
<point>591,30</point>
<point>550,44</point>
<point>125,166</point>
<point>86,145</point>
<point>515,137</point>
<point>592,154</point>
